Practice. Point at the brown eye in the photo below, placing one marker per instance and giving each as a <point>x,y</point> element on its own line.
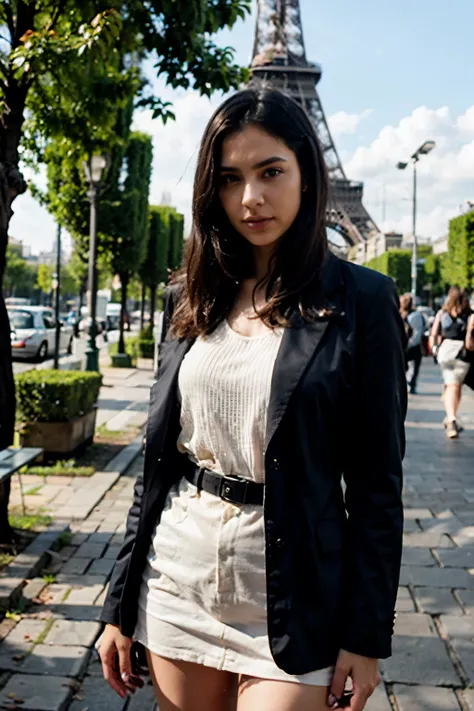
<point>273,172</point>
<point>228,179</point>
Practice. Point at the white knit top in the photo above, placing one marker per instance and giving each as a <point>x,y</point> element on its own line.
<point>224,384</point>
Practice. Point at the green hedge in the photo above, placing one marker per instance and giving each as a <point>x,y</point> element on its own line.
<point>458,267</point>
<point>131,348</point>
<point>146,348</point>
<point>395,263</point>
<point>55,395</point>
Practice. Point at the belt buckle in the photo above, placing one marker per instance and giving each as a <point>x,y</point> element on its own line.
<point>227,488</point>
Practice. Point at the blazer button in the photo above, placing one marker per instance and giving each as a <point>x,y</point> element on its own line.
<point>279,543</point>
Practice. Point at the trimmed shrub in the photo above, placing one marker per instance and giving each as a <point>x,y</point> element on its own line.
<point>131,348</point>
<point>55,395</point>
<point>146,348</point>
<point>458,267</point>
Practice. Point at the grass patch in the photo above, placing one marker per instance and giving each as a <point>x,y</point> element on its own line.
<point>30,521</point>
<point>34,490</point>
<point>49,578</point>
<point>5,559</point>
<point>44,633</point>
<point>62,468</point>
<point>64,539</point>
<point>126,435</point>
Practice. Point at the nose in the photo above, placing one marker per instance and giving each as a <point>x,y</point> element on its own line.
<point>253,196</point>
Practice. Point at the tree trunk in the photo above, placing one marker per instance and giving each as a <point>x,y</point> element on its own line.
<point>7,414</point>
<point>123,303</point>
<point>152,304</point>
<point>142,308</point>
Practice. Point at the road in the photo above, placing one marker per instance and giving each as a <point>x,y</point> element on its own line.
<point>79,349</point>
<point>80,346</point>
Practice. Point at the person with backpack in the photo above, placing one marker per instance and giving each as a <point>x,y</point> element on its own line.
<point>452,342</point>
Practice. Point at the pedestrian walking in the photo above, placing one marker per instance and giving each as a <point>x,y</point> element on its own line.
<point>414,327</point>
<point>452,342</point>
<point>250,578</point>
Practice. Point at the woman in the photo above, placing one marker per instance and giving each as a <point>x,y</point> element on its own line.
<point>250,580</point>
<point>452,337</point>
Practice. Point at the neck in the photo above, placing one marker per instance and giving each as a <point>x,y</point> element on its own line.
<point>262,260</point>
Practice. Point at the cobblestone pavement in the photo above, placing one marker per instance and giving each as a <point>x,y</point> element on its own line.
<point>46,658</point>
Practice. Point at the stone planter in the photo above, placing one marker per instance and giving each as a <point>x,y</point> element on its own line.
<point>60,438</point>
<point>121,360</point>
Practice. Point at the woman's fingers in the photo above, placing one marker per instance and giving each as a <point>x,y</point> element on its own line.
<point>110,671</point>
<point>338,684</point>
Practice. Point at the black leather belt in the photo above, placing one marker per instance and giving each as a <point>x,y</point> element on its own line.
<point>232,489</point>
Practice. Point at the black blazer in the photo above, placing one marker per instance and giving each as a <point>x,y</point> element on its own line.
<point>337,408</point>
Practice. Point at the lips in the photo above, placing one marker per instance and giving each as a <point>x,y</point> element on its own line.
<point>258,223</point>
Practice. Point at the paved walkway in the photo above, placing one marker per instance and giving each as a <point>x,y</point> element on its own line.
<point>46,653</point>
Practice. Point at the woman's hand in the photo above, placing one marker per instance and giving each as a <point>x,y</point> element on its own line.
<point>114,652</point>
<point>364,672</point>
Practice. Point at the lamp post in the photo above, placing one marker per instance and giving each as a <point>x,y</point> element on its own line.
<point>93,175</point>
<point>57,284</point>
<point>423,150</point>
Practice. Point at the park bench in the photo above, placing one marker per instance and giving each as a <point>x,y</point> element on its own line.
<point>12,462</point>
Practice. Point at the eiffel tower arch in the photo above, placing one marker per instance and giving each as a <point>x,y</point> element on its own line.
<point>279,57</point>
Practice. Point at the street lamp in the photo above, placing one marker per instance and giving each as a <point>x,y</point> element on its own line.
<point>423,150</point>
<point>93,174</point>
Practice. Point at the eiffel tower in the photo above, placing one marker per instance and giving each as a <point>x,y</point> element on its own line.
<point>279,57</point>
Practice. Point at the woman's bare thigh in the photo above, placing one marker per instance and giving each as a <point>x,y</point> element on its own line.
<point>267,695</point>
<point>184,686</point>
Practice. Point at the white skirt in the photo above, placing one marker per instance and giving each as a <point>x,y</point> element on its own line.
<point>203,596</point>
<point>453,369</point>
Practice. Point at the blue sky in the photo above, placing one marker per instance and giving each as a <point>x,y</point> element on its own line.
<point>394,75</point>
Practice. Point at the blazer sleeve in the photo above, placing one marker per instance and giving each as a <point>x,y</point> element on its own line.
<point>111,610</point>
<point>373,476</point>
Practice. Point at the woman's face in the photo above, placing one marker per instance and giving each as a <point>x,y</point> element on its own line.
<point>260,185</point>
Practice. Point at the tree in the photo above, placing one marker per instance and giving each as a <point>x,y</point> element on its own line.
<point>128,221</point>
<point>19,279</point>
<point>57,48</point>
<point>176,239</point>
<point>155,265</point>
<point>44,278</point>
<point>458,267</point>
<point>395,263</point>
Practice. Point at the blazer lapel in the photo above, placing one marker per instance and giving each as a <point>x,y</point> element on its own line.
<point>299,343</point>
<point>163,395</point>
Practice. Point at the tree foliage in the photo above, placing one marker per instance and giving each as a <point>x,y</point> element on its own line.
<point>395,263</point>
<point>20,277</point>
<point>458,266</point>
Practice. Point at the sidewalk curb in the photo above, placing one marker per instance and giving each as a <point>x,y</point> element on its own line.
<point>95,487</point>
<point>29,563</point>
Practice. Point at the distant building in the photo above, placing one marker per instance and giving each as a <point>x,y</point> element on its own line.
<point>375,246</point>
<point>440,244</point>
<point>23,250</point>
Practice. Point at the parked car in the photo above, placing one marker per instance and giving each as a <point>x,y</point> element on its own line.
<point>33,332</point>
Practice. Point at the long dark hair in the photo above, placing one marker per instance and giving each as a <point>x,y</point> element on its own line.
<point>457,302</point>
<point>217,257</point>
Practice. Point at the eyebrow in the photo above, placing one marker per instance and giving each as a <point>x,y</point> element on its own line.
<point>261,164</point>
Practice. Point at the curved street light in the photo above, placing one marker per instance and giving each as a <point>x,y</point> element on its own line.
<point>423,150</point>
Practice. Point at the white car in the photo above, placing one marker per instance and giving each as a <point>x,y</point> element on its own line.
<point>33,332</point>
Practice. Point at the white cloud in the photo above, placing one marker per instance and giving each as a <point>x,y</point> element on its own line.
<point>342,123</point>
<point>445,176</point>
<point>465,123</point>
<point>176,147</point>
